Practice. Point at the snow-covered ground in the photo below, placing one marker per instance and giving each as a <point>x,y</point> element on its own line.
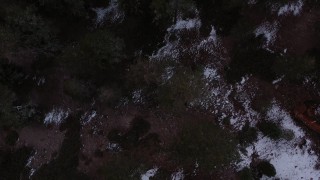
<point>291,8</point>
<point>289,160</point>
<point>269,32</point>
<point>87,117</point>
<point>56,116</point>
<point>149,173</point>
<point>111,13</point>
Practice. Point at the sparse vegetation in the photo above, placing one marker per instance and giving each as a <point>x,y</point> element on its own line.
<point>207,144</point>
<point>57,54</point>
<point>247,134</point>
<point>294,69</point>
<point>246,174</point>
<point>266,168</point>
<point>12,137</point>
<point>122,167</point>
<point>270,129</point>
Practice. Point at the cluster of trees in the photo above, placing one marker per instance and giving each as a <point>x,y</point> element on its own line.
<point>109,61</point>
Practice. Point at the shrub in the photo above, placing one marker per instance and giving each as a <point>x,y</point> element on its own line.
<point>207,144</point>
<point>33,31</point>
<point>223,14</point>
<point>165,9</point>
<point>261,103</point>
<point>250,58</point>
<point>96,57</point>
<point>270,129</point>
<point>12,137</point>
<point>246,174</point>
<point>288,135</point>
<point>294,68</point>
<point>266,168</point>
<point>122,167</point>
<point>77,89</point>
<point>103,48</point>
<point>8,39</point>
<point>247,134</point>
<point>8,115</point>
<point>74,8</point>
<point>183,87</point>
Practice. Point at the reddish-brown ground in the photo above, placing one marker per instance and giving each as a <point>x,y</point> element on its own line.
<point>45,141</point>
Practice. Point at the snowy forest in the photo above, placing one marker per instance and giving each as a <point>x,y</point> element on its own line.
<point>159,89</point>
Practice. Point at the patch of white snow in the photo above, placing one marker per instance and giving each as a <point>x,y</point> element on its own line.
<point>269,32</point>
<point>87,117</point>
<point>187,24</point>
<point>292,7</point>
<point>178,175</point>
<point>150,173</point>
<point>289,160</point>
<point>278,80</point>
<point>56,116</point>
<point>111,13</point>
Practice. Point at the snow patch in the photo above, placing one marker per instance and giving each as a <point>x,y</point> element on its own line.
<point>56,116</point>
<point>150,173</point>
<point>111,13</point>
<point>178,175</point>
<point>113,147</point>
<point>278,80</point>
<point>29,164</point>
<point>292,7</point>
<point>289,160</point>
<point>211,42</point>
<point>187,24</point>
<point>87,117</point>
<point>269,31</point>
<point>211,73</point>
<point>252,2</point>
<point>137,96</point>
<point>168,73</point>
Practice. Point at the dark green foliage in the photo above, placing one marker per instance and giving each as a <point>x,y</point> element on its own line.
<point>115,136</point>
<point>288,135</point>
<point>12,137</point>
<point>250,58</point>
<point>168,10</point>
<point>97,57</point>
<point>184,86</point>
<point>295,68</point>
<point>247,134</point>
<point>266,168</point>
<point>139,126</point>
<point>206,143</point>
<point>11,74</point>
<point>136,136</point>
<point>74,8</point>
<point>122,167</point>
<point>12,164</point>
<point>246,174</point>
<point>78,90</point>
<point>8,39</point>
<point>261,103</point>
<point>224,15</point>
<point>103,48</point>
<point>8,114</point>
<point>30,29</point>
<point>270,129</point>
